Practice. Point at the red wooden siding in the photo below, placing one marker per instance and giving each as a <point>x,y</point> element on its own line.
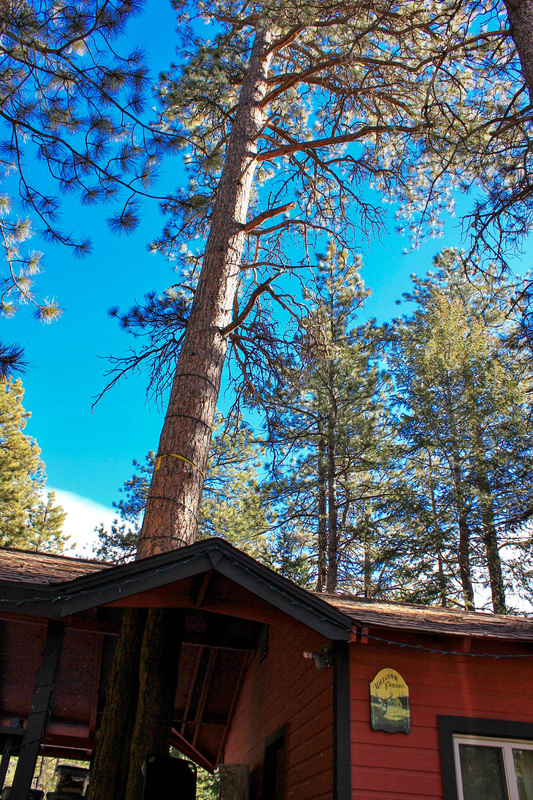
<point>287,689</point>
<point>400,766</point>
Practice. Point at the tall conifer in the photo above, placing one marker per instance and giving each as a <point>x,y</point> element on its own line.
<point>27,520</point>
<point>326,424</point>
<point>463,408</point>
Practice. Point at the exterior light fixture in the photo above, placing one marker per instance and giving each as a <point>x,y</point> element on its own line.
<point>322,659</point>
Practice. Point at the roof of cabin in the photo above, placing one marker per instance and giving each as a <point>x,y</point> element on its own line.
<point>432,619</point>
<point>226,596</point>
<point>55,586</point>
<point>44,568</point>
<point>77,583</point>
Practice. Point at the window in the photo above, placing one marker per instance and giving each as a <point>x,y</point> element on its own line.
<point>486,759</point>
<point>493,769</point>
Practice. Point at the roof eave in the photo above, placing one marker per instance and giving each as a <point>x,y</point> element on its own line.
<point>116,583</point>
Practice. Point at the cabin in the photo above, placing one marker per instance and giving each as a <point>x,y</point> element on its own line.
<point>306,696</point>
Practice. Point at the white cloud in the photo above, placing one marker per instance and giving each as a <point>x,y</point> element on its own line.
<point>83,516</point>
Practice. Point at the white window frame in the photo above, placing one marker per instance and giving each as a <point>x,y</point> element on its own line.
<point>506,745</point>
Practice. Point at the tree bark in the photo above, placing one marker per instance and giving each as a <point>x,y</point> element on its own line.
<point>438,536</point>
<point>171,514</point>
<point>111,764</point>
<point>480,478</point>
<point>462,517</point>
<point>520,15</point>
<point>368,565</point>
<point>490,536</point>
<point>332,577</point>
<point>158,677</point>
<point>490,539</point>
<point>322,510</point>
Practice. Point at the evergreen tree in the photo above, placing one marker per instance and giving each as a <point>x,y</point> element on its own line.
<point>477,128</point>
<point>11,360</point>
<point>72,103</point>
<point>237,110</point>
<point>27,520</point>
<point>464,415</point>
<point>327,429</point>
<point>242,103</point>
<point>295,83</point>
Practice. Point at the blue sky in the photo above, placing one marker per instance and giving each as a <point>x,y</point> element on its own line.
<point>88,453</point>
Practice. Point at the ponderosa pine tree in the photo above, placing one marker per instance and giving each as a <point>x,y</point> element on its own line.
<point>323,106</point>
<point>308,85</point>
<point>326,428</point>
<point>243,102</point>
<point>71,102</point>
<point>277,84</point>
<point>465,413</point>
<point>478,130</point>
<point>27,519</point>
<point>11,360</point>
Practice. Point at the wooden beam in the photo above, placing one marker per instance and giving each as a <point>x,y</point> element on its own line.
<point>4,764</point>
<point>11,738</point>
<point>199,595</point>
<point>95,685</point>
<point>40,710</point>
<point>81,623</point>
<point>244,666</point>
<point>69,742</point>
<point>191,691</point>
<point>206,685</point>
<point>255,613</point>
<point>186,748</point>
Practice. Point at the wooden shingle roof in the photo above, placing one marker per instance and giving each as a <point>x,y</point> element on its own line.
<point>44,569</point>
<point>432,619</point>
<point>48,570</point>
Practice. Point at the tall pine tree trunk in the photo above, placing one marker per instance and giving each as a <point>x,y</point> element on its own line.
<point>158,679</point>
<point>332,576</point>
<point>462,517</point>
<point>171,514</point>
<point>368,565</point>
<point>109,772</point>
<point>438,536</point>
<point>480,478</point>
<point>520,14</point>
<point>490,539</point>
<point>322,509</point>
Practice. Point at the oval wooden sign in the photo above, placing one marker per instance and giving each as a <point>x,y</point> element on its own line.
<point>389,702</point>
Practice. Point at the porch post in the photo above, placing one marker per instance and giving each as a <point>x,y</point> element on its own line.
<point>10,748</point>
<point>40,711</point>
<point>4,763</point>
<point>342,762</point>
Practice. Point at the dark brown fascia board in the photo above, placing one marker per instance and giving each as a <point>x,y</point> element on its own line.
<point>62,599</point>
<point>287,597</point>
<point>30,599</point>
<point>116,585</point>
